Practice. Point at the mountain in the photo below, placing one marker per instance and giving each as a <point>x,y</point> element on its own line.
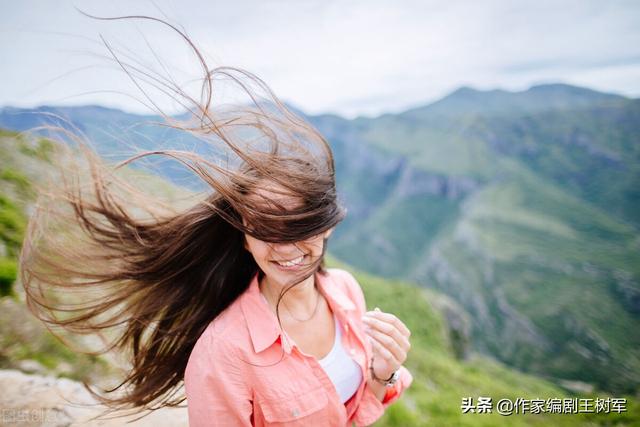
<point>524,212</point>
<point>444,367</point>
<point>466,100</point>
<point>522,207</point>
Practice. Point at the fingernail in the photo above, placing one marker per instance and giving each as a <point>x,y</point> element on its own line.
<point>377,309</point>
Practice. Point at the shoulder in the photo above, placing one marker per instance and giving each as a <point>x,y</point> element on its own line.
<point>223,338</point>
<point>343,278</point>
<point>349,285</point>
<point>212,372</point>
<point>212,359</point>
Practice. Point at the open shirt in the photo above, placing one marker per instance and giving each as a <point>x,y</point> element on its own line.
<point>245,371</point>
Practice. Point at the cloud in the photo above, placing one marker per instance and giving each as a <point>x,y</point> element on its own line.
<point>354,57</point>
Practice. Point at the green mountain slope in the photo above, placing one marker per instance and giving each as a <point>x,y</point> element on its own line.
<point>441,379</point>
<point>547,279</point>
<point>25,343</point>
<point>444,368</point>
<point>523,207</point>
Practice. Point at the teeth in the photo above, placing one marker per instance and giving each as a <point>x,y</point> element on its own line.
<point>292,262</point>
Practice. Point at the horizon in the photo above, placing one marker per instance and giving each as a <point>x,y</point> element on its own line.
<point>293,106</point>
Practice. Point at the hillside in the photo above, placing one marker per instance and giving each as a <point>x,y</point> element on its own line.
<point>445,370</point>
<point>24,342</point>
<point>525,211</point>
<point>444,366</point>
<point>521,206</point>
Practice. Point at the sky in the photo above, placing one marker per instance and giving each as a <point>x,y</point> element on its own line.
<point>352,58</point>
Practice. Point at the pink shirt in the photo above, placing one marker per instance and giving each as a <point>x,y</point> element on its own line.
<point>244,371</point>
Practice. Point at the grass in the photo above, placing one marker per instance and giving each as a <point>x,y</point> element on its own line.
<point>441,380</point>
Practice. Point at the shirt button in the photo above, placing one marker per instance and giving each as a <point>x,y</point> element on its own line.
<point>295,413</point>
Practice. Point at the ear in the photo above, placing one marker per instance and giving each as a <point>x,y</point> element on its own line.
<point>328,233</point>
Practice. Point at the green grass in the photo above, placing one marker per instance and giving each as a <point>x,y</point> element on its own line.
<point>12,226</point>
<point>441,379</point>
<point>40,148</point>
<point>8,274</point>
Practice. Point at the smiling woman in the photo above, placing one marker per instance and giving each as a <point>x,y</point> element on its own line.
<point>195,295</point>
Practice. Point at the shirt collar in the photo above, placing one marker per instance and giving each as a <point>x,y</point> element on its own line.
<point>263,325</point>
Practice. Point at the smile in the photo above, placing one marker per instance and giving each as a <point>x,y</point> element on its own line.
<point>291,263</point>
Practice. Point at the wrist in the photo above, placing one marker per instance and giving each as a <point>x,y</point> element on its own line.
<point>378,390</point>
<point>385,378</point>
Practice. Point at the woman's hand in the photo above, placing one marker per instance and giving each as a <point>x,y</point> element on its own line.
<point>390,341</point>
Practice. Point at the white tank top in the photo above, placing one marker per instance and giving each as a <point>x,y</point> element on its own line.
<point>342,370</point>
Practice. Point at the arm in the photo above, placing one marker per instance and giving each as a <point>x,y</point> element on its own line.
<point>389,338</point>
<point>375,400</point>
<point>377,397</point>
<point>388,395</point>
<point>217,394</point>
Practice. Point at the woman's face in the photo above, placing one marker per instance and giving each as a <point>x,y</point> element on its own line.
<point>282,262</point>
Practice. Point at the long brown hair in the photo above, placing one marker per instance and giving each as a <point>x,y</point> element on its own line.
<point>103,257</point>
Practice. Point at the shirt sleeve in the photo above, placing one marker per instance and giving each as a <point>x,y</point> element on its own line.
<point>217,394</point>
<point>370,408</point>
<point>394,393</point>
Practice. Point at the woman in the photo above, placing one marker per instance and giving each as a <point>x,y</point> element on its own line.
<point>228,295</point>
<point>328,375</point>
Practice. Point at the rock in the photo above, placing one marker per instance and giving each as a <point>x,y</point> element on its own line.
<point>64,368</point>
<point>35,400</point>
<point>31,367</point>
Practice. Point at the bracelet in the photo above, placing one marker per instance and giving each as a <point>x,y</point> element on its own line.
<point>389,381</point>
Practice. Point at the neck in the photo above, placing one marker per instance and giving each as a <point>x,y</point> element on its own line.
<point>301,299</point>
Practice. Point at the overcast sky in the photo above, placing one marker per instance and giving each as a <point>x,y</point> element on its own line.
<point>347,57</point>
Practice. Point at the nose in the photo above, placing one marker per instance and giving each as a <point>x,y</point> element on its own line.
<point>286,248</point>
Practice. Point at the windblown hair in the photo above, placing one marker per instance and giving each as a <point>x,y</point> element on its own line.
<point>103,257</point>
